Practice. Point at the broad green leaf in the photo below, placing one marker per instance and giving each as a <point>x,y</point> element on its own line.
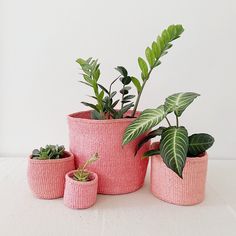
<point>136,83</point>
<point>199,143</point>
<point>152,152</point>
<point>174,147</point>
<point>156,50</point>
<point>178,102</point>
<point>150,57</point>
<point>122,70</point>
<point>81,61</point>
<point>125,80</point>
<point>143,66</point>
<point>147,120</point>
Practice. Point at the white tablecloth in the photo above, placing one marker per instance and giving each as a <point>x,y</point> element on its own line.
<point>138,213</point>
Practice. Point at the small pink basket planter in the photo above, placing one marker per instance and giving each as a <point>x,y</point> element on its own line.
<point>169,187</point>
<point>88,136</point>
<point>46,178</point>
<point>80,195</point>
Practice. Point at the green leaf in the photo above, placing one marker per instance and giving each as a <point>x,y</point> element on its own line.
<point>152,152</point>
<point>143,66</point>
<point>103,88</point>
<point>199,143</point>
<point>174,147</point>
<point>136,84</point>
<point>178,102</point>
<point>90,105</point>
<point>149,136</point>
<point>125,80</point>
<point>122,70</point>
<point>150,57</point>
<point>147,120</point>
<point>81,61</point>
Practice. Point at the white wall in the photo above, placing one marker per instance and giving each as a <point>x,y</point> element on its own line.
<point>40,41</point>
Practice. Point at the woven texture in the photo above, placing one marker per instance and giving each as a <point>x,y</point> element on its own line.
<point>80,195</point>
<point>46,178</point>
<point>118,170</point>
<point>167,186</point>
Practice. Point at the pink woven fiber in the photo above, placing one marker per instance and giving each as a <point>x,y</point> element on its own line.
<point>167,186</point>
<point>46,178</point>
<point>118,170</point>
<point>80,195</point>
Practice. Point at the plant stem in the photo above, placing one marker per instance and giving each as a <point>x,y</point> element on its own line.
<point>177,121</point>
<point>140,93</point>
<point>138,99</point>
<point>168,121</point>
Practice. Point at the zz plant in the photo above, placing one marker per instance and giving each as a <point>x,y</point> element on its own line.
<point>49,152</point>
<point>175,143</point>
<point>105,106</point>
<point>82,174</point>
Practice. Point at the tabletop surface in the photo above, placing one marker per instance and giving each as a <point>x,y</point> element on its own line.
<point>138,213</point>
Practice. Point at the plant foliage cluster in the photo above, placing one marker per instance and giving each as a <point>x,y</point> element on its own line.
<point>49,152</point>
<point>175,143</point>
<point>105,106</point>
<point>82,174</point>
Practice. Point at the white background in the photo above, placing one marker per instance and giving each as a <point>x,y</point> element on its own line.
<point>40,41</point>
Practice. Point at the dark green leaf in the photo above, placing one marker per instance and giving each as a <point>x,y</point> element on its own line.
<point>199,143</point>
<point>122,71</point>
<point>174,146</point>
<point>90,105</point>
<point>152,152</point>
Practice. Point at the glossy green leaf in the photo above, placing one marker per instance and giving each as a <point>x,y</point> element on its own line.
<point>174,146</point>
<point>147,120</point>
<point>152,152</point>
<point>122,70</point>
<point>199,143</point>
<point>143,66</point>
<point>136,83</point>
<point>150,57</point>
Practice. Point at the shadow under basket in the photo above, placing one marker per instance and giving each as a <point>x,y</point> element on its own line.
<point>168,186</point>
<point>46,178</point>
<point>80,195</point>
<point>119,171</point>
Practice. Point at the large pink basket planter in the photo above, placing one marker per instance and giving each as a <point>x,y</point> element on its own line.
<point>80,195</point>
<point>169,187</point>
<point>46,178</point>
<point>118,170</point>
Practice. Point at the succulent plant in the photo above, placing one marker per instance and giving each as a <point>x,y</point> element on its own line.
<point>82,174</point>
<point>49,152</point>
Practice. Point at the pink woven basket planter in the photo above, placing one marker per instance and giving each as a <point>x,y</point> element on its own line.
<point>167,186</point>
<point>46,178</point>
<point>80,195</point>
<point>118,170</point>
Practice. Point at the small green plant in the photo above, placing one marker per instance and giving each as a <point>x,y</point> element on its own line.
<point>49,152</point>
<point>175,144</point>
<point>105,106</point>
<point>82,174</point>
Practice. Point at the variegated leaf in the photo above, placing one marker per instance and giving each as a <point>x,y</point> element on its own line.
<point>178,102</point>
<point>147,120</point>
<point>174,147</point>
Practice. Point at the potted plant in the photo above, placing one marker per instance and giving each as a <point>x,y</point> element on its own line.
<point>101,129</point>
<point>179,161</point>
<point>46,171</point>
<point>81,186</point>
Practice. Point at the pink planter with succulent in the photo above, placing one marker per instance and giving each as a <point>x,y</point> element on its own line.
<point>80,195</point>
<point>46,178</point>
<point>168,186</point>
<point>119,170</point>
